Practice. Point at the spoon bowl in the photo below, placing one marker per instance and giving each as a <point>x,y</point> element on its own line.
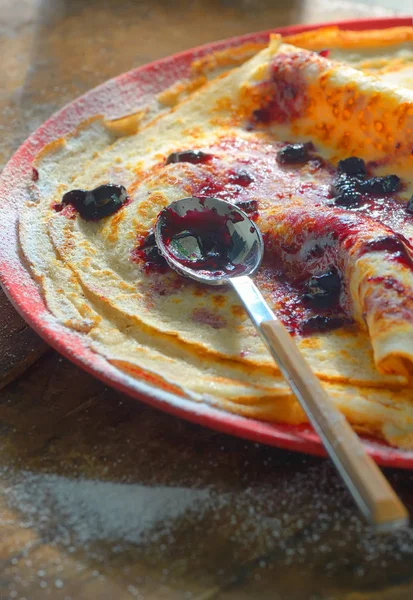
<point>209,240</point>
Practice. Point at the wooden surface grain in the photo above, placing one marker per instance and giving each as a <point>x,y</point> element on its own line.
<point>103,497</point>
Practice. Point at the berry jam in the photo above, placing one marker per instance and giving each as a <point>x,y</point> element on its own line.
<point>345,192</point>
<point>35,174</point>
<point>352,188</point>
<point>380,186</point>
<point>396,245</point>
<point>190,156</point>
<point>96,204</point>
<point>305,292</point>
<point>293,154</point>
<point>286,296</point>
<point>241,177</point>
<point>352,166</point>
<point>323,290</point>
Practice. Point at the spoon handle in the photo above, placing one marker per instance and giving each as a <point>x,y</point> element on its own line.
<point>368,486</point>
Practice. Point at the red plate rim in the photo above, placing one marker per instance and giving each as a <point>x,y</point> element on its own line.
<point>133,88</point>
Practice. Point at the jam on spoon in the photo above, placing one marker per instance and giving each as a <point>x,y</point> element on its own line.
<point>201,239</point>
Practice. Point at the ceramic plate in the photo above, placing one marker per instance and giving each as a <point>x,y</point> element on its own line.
<point>122,95</point>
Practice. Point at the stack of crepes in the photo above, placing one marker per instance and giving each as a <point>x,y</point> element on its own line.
<point>344,94</point>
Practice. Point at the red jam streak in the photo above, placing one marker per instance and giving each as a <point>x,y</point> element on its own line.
<point>396,245</point>
<point>35,174</point>
<point>213,238</point>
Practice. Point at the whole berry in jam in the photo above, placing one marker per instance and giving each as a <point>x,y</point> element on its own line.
<point>191,156</point>
<point>380,185</point>
<point>349,199</point>
<point>328,282</point>
<point>98,203</point>
<point>353,166</point>
<point>344,191</point>
<point>293,154</point>
<point>323,290</point>
<point>241,177</point>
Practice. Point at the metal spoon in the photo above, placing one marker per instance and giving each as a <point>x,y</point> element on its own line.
<point>215,242</point>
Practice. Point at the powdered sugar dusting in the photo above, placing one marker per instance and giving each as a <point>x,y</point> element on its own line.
<point>238,532</point>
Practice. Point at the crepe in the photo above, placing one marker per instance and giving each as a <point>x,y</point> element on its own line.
<point>197,341</point>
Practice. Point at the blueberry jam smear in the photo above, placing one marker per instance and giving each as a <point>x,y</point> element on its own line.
<point>190,156</point>
<point>95,204</point>
<point>293,154</point>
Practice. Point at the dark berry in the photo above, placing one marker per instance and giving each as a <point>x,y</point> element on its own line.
<point>98,203</point>
<point>35,174</point>
<point>344,191</point>
<point>353,166</point>
<point>322,323</point>
<point>349,199</point>
<point>380,185</point>
<point>293,154</point>
<point>323,290</point>
<point>241,177</point>
<point>192,156</point>
<point>328,282</point>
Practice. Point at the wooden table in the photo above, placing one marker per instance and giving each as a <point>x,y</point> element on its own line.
<point>102,497</point>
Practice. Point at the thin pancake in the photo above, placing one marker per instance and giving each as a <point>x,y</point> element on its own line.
<point>197,338</point>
